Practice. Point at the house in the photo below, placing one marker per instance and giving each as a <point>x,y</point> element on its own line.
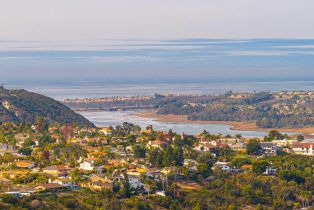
<point>239,146</point>
<point>169,170</point>
<point>60,171</point>
<point>67,182</point>
<point>115,163</point>
<point>190,164</point>
<point>269,148</point>
<point>153,173</point>
<point>224,166</point>
<point>207,147</point>
<point>99,183</point>
<point>14,173</point>
<point>207,141</point>
<point>203,140</point>
<point>90,164</point>
<point>135,182</point>
<point>106,131</point>
<point>25,164</point>
<point>157,144</point>
<point>91,149</point>
<point>246,167</point>
<point>51,187</point>
<point>285,142</point>
<point>229,141</point>
<point>18,192</point>
<point>303,148</point>
<point>138,172</point>
<point>161,193</point>
<point>5,183</point>
<point>270,171</point>
<point>20,138</point>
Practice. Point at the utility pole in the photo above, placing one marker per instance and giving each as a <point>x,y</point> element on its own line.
<point>175,179</point>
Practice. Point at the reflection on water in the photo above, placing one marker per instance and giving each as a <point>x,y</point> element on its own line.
<point>103,118</point>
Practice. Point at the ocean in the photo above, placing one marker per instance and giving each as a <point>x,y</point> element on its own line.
<point>92,89</point>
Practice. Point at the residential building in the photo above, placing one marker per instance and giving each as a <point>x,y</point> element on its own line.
<point>285,142</point>
<point>90,164</point>
<point>51,187</point>
<point>224,166</point>
<point>26,164</point>
<point>207,147</point>
<point>99,183</point>
<point>67,182</point>
<point>303,148</point>
<point>5,183</point>
<point>269,148</point>
<point>18,191</point>
<point>60,171</point>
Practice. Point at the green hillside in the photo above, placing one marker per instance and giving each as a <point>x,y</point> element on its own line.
<point>21,105</point>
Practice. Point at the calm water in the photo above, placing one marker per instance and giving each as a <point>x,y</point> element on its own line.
<point>103,118</point>
<point>88,90</point>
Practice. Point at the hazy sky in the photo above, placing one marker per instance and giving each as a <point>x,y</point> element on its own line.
<point>158,19</point>
<point>156,40</point>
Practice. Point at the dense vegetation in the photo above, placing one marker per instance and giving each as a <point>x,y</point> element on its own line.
<point>21,105</point>
<point>261,108</point>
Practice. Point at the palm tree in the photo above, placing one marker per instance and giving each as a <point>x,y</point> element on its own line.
<point>4,139</point>
<point>149,185</point>
<point>305,197</point>
<point>174,190</point>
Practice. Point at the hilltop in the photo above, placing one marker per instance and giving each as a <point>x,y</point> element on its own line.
<point>21,105</point>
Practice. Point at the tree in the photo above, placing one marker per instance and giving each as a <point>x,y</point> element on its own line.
<point>259,166</point>
<point>125,190</point>
<point>168,156</point>
<point>238,162</point>
<point>139,151</point>
<point>155,157</point>
<point>290,175</point>
<point>203,169</point>
<point>275,135</point>
<point>305,197</point>
<point>300,137</point>
<point>150,185</point>
<point>178,156</point>
<point>29,143</point>
<point>25,151</point>
<point>253,146</point>
<point>45,139</point>
<point>225,153</point>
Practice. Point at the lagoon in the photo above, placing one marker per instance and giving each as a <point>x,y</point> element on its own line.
<point>105,118</point>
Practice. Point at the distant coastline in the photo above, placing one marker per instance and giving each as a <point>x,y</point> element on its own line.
<point>239,126</point>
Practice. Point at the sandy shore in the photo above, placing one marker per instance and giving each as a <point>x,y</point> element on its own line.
<point>240,126</point>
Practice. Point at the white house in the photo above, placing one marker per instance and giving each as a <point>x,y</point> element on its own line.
<point>135,183</point>
<point>285,142</point>
<point>303,148</point>
<point>67,182</point>
<point>269,148</point>
<point>90,165</point>
<point>224,166</point>
<point>205,147</point>
<point>190,164</point>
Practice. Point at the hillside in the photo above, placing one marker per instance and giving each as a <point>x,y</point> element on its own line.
<point>21,105</point>
<point>267,110</point>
